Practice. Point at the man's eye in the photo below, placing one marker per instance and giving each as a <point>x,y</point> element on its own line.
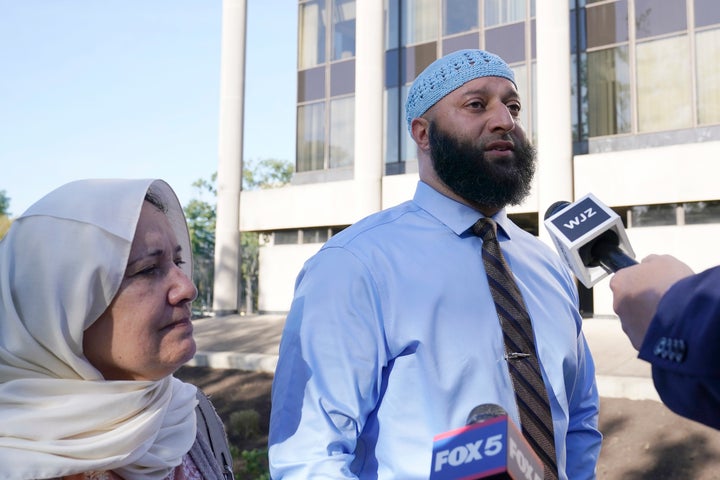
<point>180,262</point>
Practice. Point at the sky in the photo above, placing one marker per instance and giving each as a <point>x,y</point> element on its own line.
<point>131,89</point>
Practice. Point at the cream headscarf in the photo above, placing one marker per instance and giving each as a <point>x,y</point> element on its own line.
<point>61,264</point>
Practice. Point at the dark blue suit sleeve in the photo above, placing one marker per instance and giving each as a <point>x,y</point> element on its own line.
<point>681,344</point>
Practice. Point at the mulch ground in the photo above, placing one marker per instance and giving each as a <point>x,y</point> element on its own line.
<point>642,438</point>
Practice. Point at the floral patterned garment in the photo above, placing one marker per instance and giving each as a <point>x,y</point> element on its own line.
<point>185,471</point>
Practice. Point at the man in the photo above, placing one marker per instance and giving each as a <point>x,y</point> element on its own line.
<point>393,335</point>
<point>672,317</point>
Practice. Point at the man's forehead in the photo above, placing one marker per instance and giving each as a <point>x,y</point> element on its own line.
<point>486,86</point>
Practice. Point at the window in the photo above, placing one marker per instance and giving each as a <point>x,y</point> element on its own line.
<point>653,215</point>
<point>326,85</point>
<point>664,90</point>
<point>707,48</point>
<point>702,212</point>
<point>608,80</point>
<point>459,16</point>
<point>651,65</point>
<point>343,39</point>
<point>658,17</point>
<point>311,137</point>
<point>342,134</point>
<point>500,12</point>
<point>285,237</point>
<point>314,235</point>
<point>507,41</point>
<point>607,24</point>
<point>420,22</point>
<point>706,13</point>
<point>689,213</point>
<point>312,34</point>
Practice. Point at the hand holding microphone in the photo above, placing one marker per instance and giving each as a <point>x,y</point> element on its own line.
<point>638,291</point>
<point>590,238</point>
<point>490,446</point>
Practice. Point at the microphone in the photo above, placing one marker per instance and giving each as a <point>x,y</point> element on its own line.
<point>590,238</point>
<point>490,446</point>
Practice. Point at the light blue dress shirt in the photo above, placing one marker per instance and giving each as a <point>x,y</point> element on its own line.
<point>392,338</point>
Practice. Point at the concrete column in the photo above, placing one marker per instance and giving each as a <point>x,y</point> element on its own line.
<point>226,288</point>
<point>369,119</point>
<point>554,122</point>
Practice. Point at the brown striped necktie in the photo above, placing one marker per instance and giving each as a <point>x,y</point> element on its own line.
<point>530,392</point>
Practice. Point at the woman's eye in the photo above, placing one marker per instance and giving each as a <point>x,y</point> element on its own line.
<point>149,270</point>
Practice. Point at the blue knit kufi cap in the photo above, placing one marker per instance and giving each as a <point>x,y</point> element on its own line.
<point>447,74</point>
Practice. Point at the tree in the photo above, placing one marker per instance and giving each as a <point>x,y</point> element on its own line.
<point>201,224</point>
<point>4,213</point>
<point>201,217</point>
<point>266,173</point>
<point>4,204</point>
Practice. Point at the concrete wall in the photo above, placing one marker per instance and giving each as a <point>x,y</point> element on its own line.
<point>280,265</point>
<point>677,173</point>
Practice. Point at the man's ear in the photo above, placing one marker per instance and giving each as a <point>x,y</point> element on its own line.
<point>420,133</point>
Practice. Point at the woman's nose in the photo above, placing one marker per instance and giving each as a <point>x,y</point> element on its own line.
<point>183,288</point>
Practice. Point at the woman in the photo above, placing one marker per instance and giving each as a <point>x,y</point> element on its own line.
<point>95,297</point>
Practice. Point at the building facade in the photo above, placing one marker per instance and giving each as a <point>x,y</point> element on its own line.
<point>621,98</point>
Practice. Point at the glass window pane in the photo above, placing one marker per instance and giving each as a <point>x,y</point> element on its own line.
<point>343,39</point>
<point>342,78</point>
<point>392,68</point>
<point>314,235</point>
<point>311,84</point>
<point>533,37</point>
<point>707,47</point>
<point>608,89</point>
<point>311,43</point>
<point>579,105</point>
<point>459,16</point>
<point>664,96</point>
<point>533,93</point>
<point>653,215</point>
<point>520,72</point>
<point>415,59</point>
<point>499,12</point>
<point>392,24</point>
<point>311,137</point>
<point>285,237</point>
<point>393,124</point>
<point>470,40</point>
<point>342,132</point>
<point>420,21</point>
<point>508,42</point>
<point>607,24</point>
<point>656,17</point>
<point>706,12</point>
<point>408,150</point>
<point>702,212</point>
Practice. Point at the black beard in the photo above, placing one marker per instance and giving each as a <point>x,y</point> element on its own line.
<point>463,168</point>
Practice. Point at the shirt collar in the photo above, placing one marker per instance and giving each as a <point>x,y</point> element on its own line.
<point>458,217</point>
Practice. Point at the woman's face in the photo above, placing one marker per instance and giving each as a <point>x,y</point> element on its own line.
<point>146,332</point>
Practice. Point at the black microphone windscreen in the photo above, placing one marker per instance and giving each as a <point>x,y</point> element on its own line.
<point>484,412</point>
<point>555,207</point>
